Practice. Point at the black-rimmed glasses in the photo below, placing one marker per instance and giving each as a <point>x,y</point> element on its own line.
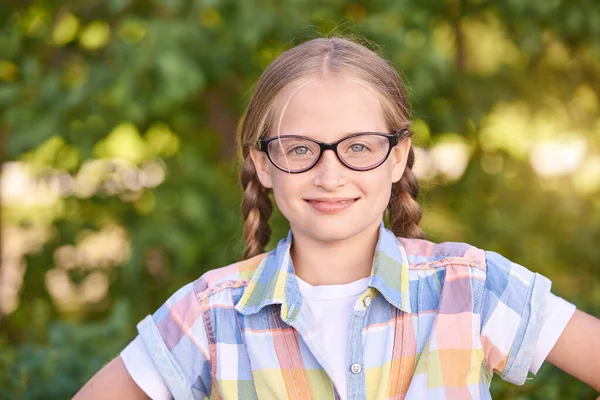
<point>359,152</point>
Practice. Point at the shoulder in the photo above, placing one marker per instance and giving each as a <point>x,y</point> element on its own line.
<point>178,315</point>
<point>498,271</point>
<point>233,276</point>
<point>424,254</point>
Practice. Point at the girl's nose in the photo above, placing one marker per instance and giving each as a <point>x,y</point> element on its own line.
<point>329,173</point>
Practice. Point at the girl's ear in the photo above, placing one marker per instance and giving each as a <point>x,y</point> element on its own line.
<point>399,157</point>
<point>261,163</point>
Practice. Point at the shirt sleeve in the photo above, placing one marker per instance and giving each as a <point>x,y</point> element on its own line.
<point>557,316</point>
<point>512,310</point>
<point>143,372</point>
<point>176,341</point>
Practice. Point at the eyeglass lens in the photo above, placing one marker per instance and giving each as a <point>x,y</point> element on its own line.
<point>296,154</point>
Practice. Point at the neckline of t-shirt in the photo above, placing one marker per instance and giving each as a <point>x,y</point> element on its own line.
<point>333,292</point>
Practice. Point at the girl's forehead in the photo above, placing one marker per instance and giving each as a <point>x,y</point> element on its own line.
<point>329,108</point>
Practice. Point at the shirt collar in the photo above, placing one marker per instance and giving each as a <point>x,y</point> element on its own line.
<point>274,281</point>
<point>390,270</point>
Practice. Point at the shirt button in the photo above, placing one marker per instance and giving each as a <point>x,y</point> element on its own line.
<point>356,368</point>
<point>367,301</point>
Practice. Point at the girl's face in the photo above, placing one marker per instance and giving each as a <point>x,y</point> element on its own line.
<point>328,110</point>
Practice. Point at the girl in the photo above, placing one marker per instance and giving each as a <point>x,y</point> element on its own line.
<point>344,308</point>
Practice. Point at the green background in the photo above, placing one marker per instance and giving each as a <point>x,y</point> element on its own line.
<point>119,185</point>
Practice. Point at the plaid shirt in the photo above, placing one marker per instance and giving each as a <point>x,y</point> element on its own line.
<point>436,321</point>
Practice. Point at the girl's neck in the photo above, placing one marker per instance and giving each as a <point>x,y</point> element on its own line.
<point>334,263</point>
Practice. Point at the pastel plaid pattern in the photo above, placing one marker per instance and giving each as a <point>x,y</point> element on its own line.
<point>442,319</point>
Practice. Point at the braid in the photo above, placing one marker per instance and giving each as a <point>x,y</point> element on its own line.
<point>404,211</point>
<point>256,208</point>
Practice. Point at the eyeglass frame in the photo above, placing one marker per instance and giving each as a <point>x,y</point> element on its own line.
<point>393,138</point>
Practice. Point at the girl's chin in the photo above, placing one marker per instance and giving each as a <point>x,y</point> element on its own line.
<point>331,231</point>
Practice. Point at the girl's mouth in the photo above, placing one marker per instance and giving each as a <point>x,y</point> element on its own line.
<point>331,206</point>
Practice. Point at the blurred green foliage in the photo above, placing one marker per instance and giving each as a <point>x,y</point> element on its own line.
<point>118,117</point>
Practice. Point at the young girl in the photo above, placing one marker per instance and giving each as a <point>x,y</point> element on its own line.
<point>344,308</point>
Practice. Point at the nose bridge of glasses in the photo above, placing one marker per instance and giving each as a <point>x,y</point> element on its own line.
<point>323,158</point>
<point>329,146</point>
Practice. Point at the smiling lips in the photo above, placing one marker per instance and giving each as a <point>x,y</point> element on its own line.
<point>331,205</point>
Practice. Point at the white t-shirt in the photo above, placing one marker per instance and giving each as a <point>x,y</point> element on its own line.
<point>330,307</point>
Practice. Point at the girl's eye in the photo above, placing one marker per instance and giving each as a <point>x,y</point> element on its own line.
<point>300,150</point>
<point>358,148</point>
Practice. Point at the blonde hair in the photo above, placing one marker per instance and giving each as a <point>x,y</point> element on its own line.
<point>313,59</point>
